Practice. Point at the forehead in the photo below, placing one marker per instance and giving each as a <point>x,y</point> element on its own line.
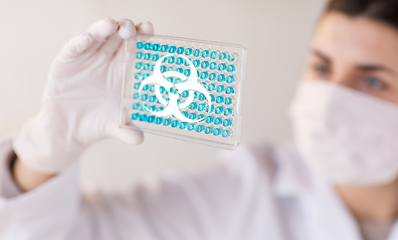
<point>356,39</point>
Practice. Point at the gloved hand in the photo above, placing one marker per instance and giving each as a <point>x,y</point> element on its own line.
<point>80,105</point>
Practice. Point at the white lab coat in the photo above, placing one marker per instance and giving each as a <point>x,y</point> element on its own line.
<point>257,193</point>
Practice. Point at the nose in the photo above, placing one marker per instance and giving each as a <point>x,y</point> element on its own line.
<point>345,79</point>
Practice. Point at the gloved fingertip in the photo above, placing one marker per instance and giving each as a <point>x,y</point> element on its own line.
<point>86,40</point>
<point>145,27</point>
<point>126,29</point>
<point>103,28</point>
<point>130,136</point>
<point>77,45</point>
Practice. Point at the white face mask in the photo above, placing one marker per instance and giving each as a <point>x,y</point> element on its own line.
<point>344,135</point>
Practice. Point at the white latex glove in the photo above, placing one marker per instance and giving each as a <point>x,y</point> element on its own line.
<point>80,104</point>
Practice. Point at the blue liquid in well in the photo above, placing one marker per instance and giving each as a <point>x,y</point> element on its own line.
<point>222,56</point>
<point>144,107</point>
<point>213,55</point>
<point>220,88</point>
<point>204,75</point>
<point>202,97</point>
<point>221,78</point>
<point>180,61</point>
<point>167,122</point>
<point>155,47</point>
<point>139,55</point>
<point>171,59</point>
<point>152,98</point>
<point>217,121</point>
<point>225,133</point>
<point>139,65</point>
<point>185,94</point>
<point>164,48</point>
<point>159,120</point>
<point>213,65</point>
<point>230,79</point>
<point>212,76</point>
<point>191,126</point>
<point>140,45</point>
<point>175,124</point>
<point>201,107</point>
<point>209,119</point>
<point>155,57</point>
<point>172,49</point>
<point>210,108</point>
<point>228,101</point>
<point>135,116</point>
<point>188,51</point>
<point>148,46</point>
<point>212,98</point>
<point>230,90</point>
<point>193,106</point>
<point>143,117</point>
<point>196,63</point>
<point>151,119</point>
<point>231,57</point>
<point>222,66</point>
<point>211,87</point>
<point>216,132</point>
<point>219,110</point>
<point>219,99</point>
<point>183,125</point>
<point>136,106</point>
<point>199,128</point>
<point>226,123</point>
<point>192,116</point>
<point>205,53</point>
<point>180,50</point>
<point>231,68</point>
<point>228,112</point>
<point>205,64</point>
<point>163,69</point>
<point>147,56</point>
<point>208,130</point>
<point>196,52</point>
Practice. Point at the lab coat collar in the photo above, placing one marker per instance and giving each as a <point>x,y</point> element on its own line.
<point>291,177</point>
<point>326,217</point>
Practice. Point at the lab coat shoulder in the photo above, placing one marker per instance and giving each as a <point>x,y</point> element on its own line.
<point>234,200</point>
<point>231,201</point>
<point>47,212</point>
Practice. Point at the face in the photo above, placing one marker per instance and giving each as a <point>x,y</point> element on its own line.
<point>358,53</point>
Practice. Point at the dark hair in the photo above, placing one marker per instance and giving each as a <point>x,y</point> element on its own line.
<point>382,10</point>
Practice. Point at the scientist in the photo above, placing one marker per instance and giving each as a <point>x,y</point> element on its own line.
<point>340,184</point>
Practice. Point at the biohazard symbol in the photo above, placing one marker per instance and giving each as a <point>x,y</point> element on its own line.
<point>191,84</point>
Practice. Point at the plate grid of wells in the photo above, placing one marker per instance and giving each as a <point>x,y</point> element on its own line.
<point>218,69</point>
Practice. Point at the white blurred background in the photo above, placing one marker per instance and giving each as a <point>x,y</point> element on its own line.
<point>275,32</point>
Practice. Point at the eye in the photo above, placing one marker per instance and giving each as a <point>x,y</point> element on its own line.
<point>321,69</point>
<point>374,83</point>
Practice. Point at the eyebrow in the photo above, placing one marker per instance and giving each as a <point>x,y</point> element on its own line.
<point>363,67</point>
<point>321,55</point>
<point>375,68</point>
